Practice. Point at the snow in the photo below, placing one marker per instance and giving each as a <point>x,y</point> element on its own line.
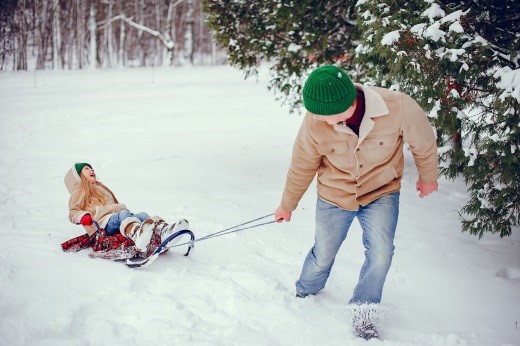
<point>390,38</point>
<point>418,28</point>
<point>203,144</point>
<point>433,11</point>
<point>453,54</point>
<point>454,16</point>
<point>472,154</point>
<point>509,81</point>
<point>434,32</point>
<point>456,27</point>
<point>294,47</point>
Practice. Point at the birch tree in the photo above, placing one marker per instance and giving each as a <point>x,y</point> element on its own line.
<point>188,36</point>
<point>109,48</point>
<point>101,33</point>
<point>21,41</point>
<point>93,38</point>
<point>43,36</point>
<point>80,31</point>
<point>121,50</point>
<point>7,19</point>
<point>56,37</point>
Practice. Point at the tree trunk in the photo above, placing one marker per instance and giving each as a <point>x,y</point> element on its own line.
<point>69,48</point>
<point>141,14</point>
<point>109,35</point>
<point>56,33</point>
<point>41,35</point>
<point>56,41</point>
<point>121,52</point>
<point>214,51</point>
<point>93,36</point>
<point>171,30</point>
<point>188,35</point>
<point>4,48</point>
<point>157,57</point>
<point>80,32</point>
<point>21,39</point>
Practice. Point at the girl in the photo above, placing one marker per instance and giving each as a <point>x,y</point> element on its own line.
<point>91,201</point>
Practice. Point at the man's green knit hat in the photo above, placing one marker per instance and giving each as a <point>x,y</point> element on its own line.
<point>328,91</point>
<point>79,166</point>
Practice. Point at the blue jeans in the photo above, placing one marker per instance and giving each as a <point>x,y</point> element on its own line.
<point>378,221</point>
<point>115,220</point>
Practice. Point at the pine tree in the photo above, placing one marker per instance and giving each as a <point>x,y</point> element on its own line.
<point>292,36</point>
<point>458,59</point>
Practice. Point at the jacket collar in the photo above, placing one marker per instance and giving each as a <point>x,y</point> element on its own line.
<point>375,107</point>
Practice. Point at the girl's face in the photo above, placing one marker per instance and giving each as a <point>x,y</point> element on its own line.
<point>89,174</point>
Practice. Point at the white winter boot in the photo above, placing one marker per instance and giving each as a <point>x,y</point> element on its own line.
<point>366,320</point>
<point>139,232</point>
<point>168,230</point>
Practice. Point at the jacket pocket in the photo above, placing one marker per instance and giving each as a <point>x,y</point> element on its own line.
<point>380,147</point>
<point>381,178</point>
<point>337,153</point>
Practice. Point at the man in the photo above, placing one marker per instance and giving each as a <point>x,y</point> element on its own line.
<point>352,137</point>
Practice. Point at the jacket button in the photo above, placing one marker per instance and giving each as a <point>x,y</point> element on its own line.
<point>332,150</point>
<point>380,143</point>
<point>360,166</point>
<point>358,149</point>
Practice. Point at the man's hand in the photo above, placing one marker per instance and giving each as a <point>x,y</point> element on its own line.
<point>86,220</point>
<point>282,215</point>
<point>426,188</point>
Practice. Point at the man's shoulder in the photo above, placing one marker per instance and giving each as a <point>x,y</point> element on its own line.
<point>388,95</point>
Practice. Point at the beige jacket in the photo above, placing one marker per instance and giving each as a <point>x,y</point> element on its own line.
<point>352,170</point>
<point>100,213</point>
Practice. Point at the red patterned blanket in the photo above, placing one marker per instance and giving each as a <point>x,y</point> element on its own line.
<point>115,247</point>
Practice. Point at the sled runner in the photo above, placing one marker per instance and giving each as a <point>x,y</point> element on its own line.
<point>168,243</point>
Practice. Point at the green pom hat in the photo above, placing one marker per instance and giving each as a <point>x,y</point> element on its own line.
<point>328,91</point>
<point>79,167</point>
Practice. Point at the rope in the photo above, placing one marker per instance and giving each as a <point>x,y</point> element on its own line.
<point>228,231</point>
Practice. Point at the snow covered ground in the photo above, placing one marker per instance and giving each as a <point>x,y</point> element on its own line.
<point>203,144</point>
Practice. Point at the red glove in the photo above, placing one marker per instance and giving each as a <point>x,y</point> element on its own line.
<point>86,220</point>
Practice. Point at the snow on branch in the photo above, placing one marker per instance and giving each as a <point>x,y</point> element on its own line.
<point>390,38</point>
<point>509,82</point>
<point>168,43</point>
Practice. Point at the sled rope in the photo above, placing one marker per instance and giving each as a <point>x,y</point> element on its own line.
<point>228,231</point>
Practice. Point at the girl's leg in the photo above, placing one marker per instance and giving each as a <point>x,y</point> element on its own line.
<point>115,220</point>
<point>142,216</point>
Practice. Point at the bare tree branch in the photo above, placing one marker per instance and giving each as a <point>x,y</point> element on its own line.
<point>165,40</point>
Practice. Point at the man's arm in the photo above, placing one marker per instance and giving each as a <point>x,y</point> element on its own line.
<point>305,161</point>
<point>419,134</point>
